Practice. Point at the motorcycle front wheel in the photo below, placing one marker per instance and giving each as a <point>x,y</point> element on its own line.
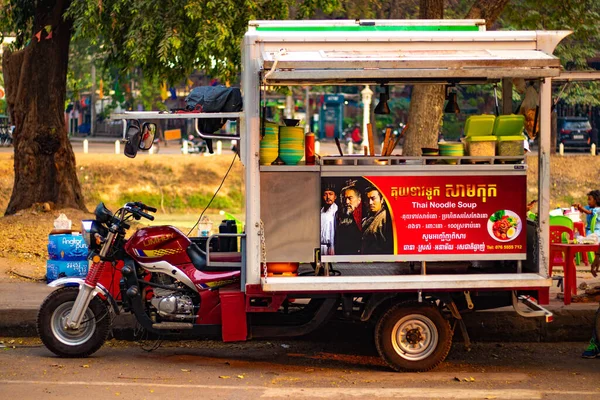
<point>81,342</point>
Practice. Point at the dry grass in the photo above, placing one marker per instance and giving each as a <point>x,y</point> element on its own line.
<point>571,178</point>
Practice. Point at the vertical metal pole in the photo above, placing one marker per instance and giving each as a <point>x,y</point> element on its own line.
<point>249,142</point>
<point>544,174</point>
<point>93,102</point>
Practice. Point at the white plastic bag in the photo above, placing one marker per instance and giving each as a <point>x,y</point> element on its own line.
<point>62,222</point>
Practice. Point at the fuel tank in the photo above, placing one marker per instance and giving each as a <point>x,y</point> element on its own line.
<point>159,243</point>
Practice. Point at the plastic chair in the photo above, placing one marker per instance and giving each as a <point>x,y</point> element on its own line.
<point>560,220</point>
<point>592,229</point>
<point>559,234</point>
<point>558,259</point>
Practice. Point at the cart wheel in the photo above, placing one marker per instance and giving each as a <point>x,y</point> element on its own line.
<point>413,337</point>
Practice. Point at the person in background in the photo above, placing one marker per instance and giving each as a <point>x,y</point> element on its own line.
<point>328,213</point>
<point>356,135</point>
<point>593,349</point>
<point>377,232</point>
<point>592,210</point>
<point>348,225</point>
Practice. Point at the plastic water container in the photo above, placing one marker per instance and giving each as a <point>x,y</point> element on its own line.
<point>58,269</point>
<point>67,247</point>
<point>67,256</point>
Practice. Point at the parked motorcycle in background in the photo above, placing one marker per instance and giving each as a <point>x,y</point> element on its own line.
<point>6,134</point>
<point>195,145</point>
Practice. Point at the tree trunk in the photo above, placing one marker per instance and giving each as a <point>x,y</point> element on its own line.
<point>489,10</point>
<point>427,101</point>
<point>35,80</point>
<point>424,116</point>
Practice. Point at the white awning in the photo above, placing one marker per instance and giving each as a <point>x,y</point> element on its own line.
<point>341,57</point>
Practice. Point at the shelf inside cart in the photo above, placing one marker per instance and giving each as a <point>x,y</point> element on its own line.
<point>404,282</point>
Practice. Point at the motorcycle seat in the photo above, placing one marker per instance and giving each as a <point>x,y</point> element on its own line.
<point>226,256</point>
<point>198,259</point>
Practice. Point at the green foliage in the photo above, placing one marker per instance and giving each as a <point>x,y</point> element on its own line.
<point>168,39</point>
<point>580,16</point>
<point>173,202</point>
<point>150,95</point>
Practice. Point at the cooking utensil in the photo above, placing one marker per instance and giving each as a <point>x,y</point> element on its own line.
<point>393,146</point>
<point>386,142</point>
<point>337,143</point>
<point>371,144</point>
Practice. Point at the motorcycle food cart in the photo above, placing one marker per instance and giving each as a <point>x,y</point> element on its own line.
<point>416,243</point>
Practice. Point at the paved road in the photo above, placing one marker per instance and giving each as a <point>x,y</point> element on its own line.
<point>301,369</point>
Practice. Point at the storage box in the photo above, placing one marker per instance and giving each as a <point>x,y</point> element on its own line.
<point>58,269</point>
<point>481,146</point>
<point>67,248</point>
<point>510,146</point>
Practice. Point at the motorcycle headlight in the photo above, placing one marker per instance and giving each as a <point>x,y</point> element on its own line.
<point>86,230</point>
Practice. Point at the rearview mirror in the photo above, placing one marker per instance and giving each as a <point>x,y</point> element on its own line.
<point>148,133</point>
<point>133,138</point>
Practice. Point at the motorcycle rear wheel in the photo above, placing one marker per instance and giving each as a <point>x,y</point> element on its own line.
<point>63,342</point>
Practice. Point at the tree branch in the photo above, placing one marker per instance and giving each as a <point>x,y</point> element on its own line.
<point>489,10</point>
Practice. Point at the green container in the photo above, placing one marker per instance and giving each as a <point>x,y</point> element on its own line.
<point>510,145</point>
<point>480,125</point>
<point>509,125</point>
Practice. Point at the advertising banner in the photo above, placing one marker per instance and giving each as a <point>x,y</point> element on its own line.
<point>424,215</point>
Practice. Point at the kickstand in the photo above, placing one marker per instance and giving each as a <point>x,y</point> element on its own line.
<point>461,323</point>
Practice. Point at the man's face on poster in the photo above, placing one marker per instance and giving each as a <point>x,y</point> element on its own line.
<point>329,197</point>
<point>375,202</point>
<point>351,201</point>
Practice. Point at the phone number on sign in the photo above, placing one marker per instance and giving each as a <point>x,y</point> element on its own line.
<point>507,247</point>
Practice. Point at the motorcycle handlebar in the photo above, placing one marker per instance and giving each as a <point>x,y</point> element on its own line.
<point>142,206</point>
<point>136,208</point>
<point>145,215</point>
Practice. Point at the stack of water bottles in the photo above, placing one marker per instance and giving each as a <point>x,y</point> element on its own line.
<point>67,252</point>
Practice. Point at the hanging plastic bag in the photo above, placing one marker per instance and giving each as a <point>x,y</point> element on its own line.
<point>529,108</point>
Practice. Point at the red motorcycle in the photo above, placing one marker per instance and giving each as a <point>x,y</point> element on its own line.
<point>159,274</point>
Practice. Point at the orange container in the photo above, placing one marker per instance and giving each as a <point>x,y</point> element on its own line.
<point>282,268</point>
<point>309,148</point>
